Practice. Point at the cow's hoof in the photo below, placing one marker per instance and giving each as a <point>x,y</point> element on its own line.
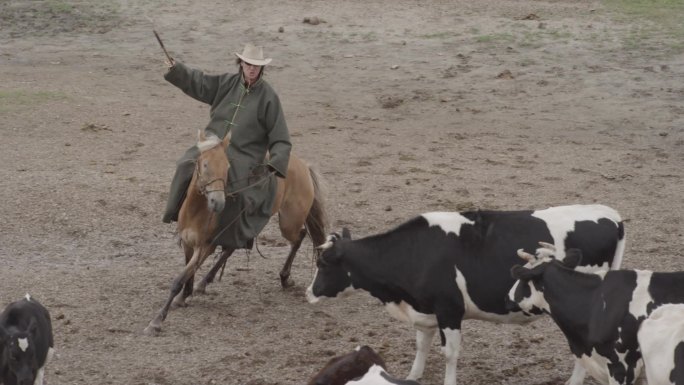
<point>152,330</point>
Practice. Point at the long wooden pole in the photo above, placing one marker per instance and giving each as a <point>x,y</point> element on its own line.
<point>162,46</point>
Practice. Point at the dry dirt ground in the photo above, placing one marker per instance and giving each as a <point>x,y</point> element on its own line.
<point>403,106</point>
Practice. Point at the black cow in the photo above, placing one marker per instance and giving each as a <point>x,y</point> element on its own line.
<point>26,342</point>
<point>599,312</point>
<point>441,268</point>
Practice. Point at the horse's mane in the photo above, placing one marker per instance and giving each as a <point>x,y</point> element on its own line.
<point>208,143</point>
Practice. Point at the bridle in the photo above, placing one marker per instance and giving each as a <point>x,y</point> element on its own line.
<point>203,187</point>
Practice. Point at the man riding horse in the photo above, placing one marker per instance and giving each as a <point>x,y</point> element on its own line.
<point>244,106</point>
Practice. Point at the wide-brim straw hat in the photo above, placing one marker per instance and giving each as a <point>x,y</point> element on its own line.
<point>253,55</point>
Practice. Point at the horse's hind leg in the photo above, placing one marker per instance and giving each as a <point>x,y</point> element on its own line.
<point>209,277</point>
<point>285,280</point>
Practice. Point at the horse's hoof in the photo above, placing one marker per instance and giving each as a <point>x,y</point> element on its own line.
<point>178,303</point>
<point>152,330</point>
<point>286,283</point>
<point>200,288</point>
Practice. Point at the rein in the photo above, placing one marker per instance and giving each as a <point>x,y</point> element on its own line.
<point>204,191</point>
<point>203,187</point>
<point>261,180</point>
<point>232,194</point>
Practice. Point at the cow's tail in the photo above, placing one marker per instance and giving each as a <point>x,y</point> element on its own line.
<point>317,219</point>
<point>620,248</point>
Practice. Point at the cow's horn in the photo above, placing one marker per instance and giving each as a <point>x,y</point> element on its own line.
<point>526,256</point>
<point>325,246</point>
<point>547,246</point>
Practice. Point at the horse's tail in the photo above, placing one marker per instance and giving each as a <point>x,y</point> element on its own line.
<point>317,219</point>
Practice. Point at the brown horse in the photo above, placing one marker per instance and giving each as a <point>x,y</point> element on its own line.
<point>298,203</point>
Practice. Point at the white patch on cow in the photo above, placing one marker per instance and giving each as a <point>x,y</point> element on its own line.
<point>449,222</point>
<point>594,269</point>
<point>28,296</point>
<point>597,366</point>
<point>328,243</point>
<point>658,337</point>
<point>50,354</point>
<point>39,376</point>
<point>578,374</point>
<point>451,349</point>
<point>561,220</point>
<point>640,296</point>
<point>343,294</point>
<point>406,313</point>
<point>372,377</point>
<point>23,344</point>
<point>600,273</point>
<point>423,342</point>
<point>41,372</point>
<point>536,299</point>
<point>309,291</point>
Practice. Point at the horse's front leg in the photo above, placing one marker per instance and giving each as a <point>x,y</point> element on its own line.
<point>179,300</point>
<point>155,325</point>
<point>285,280</point>
<point>201,287</point>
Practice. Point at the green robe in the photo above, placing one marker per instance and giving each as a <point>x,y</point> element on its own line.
<point>257,125</point>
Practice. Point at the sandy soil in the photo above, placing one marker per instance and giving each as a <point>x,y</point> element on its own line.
<point>403,106</point>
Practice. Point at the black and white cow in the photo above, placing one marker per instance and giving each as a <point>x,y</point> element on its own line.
<point>661,340</point>
<point>598,312</point>
<point>26,342</point>
<point>342,369</point>
<point>441,268</point>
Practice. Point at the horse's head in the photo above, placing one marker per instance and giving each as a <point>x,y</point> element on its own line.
<point>212,170</point>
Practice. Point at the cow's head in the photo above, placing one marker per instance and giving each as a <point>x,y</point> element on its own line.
<point>331,277</point>
<point>527,292</point>
<point>18,353</point>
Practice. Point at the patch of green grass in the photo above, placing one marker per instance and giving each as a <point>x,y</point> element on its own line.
<point>360,37</point>
<point>440,35</point>
<point>657,24</point>
<point>537,39</point>
<point>11,99</point>
<point>655,10</point>
<point>404,157</point>
<point>49,17</point>
<point>495,38</point>
<point>57,7</point>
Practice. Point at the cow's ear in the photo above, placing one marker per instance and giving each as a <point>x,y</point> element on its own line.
<point>573,257</point>
<point>523,273</point>
<point>346,234</point>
